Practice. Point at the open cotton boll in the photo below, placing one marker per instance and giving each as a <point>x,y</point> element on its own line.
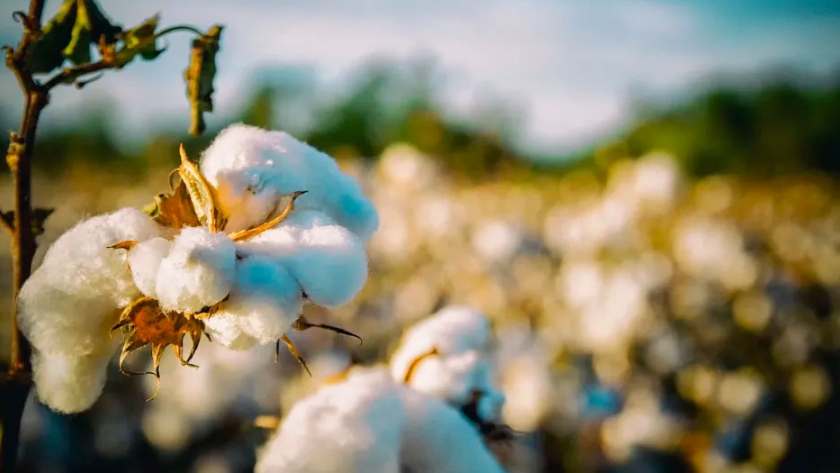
<point>368,423</point>
<point>71,301</point>
<point>264,302</point>
<point>352,426</point>
<point>198,271</point>
<point>144,260</point>
<point>71,383</point>
<point>252,167</point>
<point>449,378</point>
<point>452,330</point>
<point>455,378</point>
<point>328,261</point>
<point>438,438</point>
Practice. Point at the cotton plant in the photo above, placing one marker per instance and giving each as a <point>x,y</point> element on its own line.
<point>448,355</point>
<point>367,422</point>
<point>261,226</point>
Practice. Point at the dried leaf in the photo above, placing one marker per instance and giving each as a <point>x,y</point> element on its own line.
<point>302,324</point>
<point>199,76</point>
<point>145,323</point>
<point>175,210</point>
<point>140,40</point>
<point>202,195</point>
<point>252,232</point>
<point>90,28</point>
<point>412,367</point>
<point>292,348</point>
<point>267,422</point>
<point>124,245</point>
<point>46,54</point>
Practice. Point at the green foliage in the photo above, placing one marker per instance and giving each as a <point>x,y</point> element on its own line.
<point>70,34</point>
<point>778,129</point>
<point>139,41</point>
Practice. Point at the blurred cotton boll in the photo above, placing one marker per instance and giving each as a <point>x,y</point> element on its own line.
<point>496,241</point>
<point>404,167</point>
<point>192,400</point>
<point>369,423</point>
<point>447,356</point>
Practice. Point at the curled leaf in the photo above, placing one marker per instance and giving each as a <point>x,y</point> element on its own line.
<point>293,349</point>
<point>199,76</point>
<point>140,40</point>
<point>202,195</point>
<point>46,54</point>
<point>91,27</point>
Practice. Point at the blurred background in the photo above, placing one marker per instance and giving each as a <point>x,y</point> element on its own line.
<point>641,194</point>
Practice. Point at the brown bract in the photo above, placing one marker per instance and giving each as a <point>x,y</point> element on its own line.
<point>192,203</point>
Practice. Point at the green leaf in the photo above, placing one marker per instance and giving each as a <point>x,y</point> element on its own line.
<point>200,75</point>
<point>100,24</point>
<point>39,216</point>
<point>46,54</point>
<point>78,50</point>
<point>140,40</point>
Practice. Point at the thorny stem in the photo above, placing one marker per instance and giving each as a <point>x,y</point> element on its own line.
<point>15,387</point>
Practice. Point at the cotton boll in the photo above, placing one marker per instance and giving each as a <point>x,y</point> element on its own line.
<point>438,438</point>
<point>352,426</point>
<point>70,383</point>
<point>264,302</point>
<point>452,330</point>
<point>144,260</point>
<point>198,271</point>
<point>328,261</point>
<point>71,301</point>
<point>252,167</point>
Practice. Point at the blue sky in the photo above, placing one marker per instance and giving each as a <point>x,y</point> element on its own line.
<point>572,66</point>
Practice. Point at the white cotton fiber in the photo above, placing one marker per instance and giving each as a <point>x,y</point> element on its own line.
<point>351,426</point>
<point>438,438</point>
<point>253,168</point>
<point>264,302</point>
<point>328,261</point>
<point>197,272</point>
<point>71,383</point>
<point>452,330</point>
<point>368,423</point>
<point>71,301</point>
<point>144,260</point>
<point>227,331</point>
<point>461,366</point>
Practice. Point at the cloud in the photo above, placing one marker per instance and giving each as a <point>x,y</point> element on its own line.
<point>571,63</point>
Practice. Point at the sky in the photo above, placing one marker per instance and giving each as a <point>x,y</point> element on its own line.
<point>572,67</point>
